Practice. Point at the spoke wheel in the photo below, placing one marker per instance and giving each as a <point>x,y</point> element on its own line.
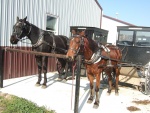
<point>145,86</point>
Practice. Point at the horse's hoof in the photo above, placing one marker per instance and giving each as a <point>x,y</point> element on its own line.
<point>64,80</point>
<point>44,86</point>
<point>108,92</point>
<point>89,101</point>
<point>59,79</point>
<point>96,105</point>
<point>37,85</point>
<point>117,94</point>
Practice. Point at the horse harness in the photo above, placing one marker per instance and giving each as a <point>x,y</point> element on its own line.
<point>42,41</point>
<point>96,57</point>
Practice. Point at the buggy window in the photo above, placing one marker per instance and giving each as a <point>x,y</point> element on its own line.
<point>142,38</point>
<point>125,37</point>
<point>52,23</point>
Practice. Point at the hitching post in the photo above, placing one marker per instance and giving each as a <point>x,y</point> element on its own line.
<point>1,67</point>
<point>77,90</point>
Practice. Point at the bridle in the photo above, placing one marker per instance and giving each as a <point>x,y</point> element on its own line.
<point>23,26</point>
<point>81,45</point>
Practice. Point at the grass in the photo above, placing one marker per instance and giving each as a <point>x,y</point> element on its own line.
<point>14,104</point>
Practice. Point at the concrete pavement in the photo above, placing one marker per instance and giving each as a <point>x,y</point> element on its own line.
<point>59,96</point>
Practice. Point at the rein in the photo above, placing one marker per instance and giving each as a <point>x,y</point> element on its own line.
<point>108,58</point>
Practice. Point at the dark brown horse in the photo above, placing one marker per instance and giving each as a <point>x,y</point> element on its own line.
<point>96,59</point>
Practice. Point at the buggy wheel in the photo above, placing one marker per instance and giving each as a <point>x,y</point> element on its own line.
<point>145,86</point>
<point>142,87</point>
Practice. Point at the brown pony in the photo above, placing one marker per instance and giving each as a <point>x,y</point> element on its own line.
<point>97,58</point>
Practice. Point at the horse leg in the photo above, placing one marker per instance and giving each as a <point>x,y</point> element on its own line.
<point>45,61</point>
<point>66,70</point>
<point>90,99</point>
<point>96,103</point>
<point>61,71</point>
<point>39,63</point>
<point>109,81</point>
<point>117,81</point>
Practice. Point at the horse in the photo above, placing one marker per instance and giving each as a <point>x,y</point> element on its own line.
<point>41,41</point>
<point>96,58</point>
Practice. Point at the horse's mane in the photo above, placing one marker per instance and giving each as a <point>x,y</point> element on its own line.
<point>93,45</point>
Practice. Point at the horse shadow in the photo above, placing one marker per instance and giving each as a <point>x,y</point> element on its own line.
<point>18,81</point>
<point>30,79</point>
<point>52,78</point>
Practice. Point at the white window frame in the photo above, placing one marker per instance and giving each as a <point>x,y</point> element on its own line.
<point>55,31</point>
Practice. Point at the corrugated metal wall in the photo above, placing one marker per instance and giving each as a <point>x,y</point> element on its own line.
<point>69,12</point>
<point>20,64</point>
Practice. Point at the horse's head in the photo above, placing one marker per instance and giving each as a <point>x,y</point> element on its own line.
<point>75,46</point>
<point>20,30</point>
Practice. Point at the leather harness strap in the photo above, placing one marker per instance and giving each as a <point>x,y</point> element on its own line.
<point>42,41</point>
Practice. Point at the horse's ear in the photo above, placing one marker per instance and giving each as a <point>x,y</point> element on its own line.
<point>25,19</point>
<point>17,19</point>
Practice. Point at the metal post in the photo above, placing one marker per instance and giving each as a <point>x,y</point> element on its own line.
<point>1,67</point>
<point>79,59</point>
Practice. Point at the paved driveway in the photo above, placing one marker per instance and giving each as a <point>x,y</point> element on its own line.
<point>59,96</point>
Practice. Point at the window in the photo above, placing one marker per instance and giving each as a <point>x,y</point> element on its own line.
<point>142,38</point>
<point>126,37</point>
<point>52,23</point>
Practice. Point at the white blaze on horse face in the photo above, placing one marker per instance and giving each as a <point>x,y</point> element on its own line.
<point>17,24</point>
<point>70,50</point>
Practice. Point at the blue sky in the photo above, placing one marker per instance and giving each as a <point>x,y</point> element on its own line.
<point>136,12</point>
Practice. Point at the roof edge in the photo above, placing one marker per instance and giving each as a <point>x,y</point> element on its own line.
<point>98,4</point>
<point>118,20</point>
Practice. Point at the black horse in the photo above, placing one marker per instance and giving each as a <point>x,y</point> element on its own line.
<point>42,41</point>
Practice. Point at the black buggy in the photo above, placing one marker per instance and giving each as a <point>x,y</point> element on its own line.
<point>135,65</point>
<point>135,45</point>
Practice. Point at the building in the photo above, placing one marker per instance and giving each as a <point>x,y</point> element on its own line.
<point>110,24</point>
<point>53,15</point>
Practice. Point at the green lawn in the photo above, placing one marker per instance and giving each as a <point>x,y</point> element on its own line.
<point>13,104</point>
